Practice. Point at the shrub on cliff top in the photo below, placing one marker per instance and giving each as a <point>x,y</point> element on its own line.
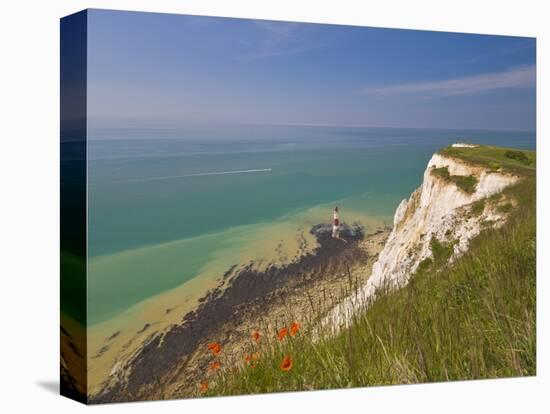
<point>518,156</point>
<point>466,183</point>
<point>442,172</point>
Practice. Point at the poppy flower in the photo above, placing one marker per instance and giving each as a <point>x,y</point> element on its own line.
<point>204,386</point>
<point>286,363</point>
<point>256,335</point>
<point>294,328</point>
<point>283,332</point>
<point>214,366</point>
<point>215,347</point>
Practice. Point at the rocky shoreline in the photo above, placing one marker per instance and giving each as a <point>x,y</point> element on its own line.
<point>169,365</point>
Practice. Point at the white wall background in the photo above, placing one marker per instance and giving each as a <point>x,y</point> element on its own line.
<point>29,194</point>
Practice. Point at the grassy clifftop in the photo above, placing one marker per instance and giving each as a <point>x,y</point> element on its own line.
<point>474,318</point>
<point>521,162</point>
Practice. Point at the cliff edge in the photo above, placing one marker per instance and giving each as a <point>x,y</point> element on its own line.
<point>458,198</point>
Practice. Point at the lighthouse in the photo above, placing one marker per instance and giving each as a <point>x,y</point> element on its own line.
<point>335,224</point>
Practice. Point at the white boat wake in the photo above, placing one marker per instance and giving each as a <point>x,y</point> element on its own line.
<point>170,177</point>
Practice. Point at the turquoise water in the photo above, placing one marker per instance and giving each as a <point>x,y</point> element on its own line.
<point>163,203</point>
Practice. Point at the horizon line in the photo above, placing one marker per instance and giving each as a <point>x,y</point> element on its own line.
<point>305,124</point>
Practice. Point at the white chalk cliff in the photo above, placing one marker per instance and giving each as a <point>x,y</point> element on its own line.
<point>438,208</point>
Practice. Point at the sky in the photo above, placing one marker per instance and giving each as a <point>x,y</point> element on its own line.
<point>149,67</point>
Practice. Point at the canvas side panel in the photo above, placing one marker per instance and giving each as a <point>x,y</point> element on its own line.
<point>73,381</point>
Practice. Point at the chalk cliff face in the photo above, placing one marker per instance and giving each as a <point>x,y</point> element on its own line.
<point>437,209</point>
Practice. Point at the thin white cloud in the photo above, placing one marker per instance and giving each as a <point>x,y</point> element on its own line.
<point>278,30</point>
<point>518,77</point>
<point>276,39</point>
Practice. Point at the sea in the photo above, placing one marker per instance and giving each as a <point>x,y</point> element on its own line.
<point>168,207</point>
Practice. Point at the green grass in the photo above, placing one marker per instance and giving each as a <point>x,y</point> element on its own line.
<point>507,159</point>
<point>466,183</point>
<point>505,208</point>
<point>494,166</point>
<point>441,251</point>
<point>478,207</point>
<point>469,320</point>
<point>518,156</point>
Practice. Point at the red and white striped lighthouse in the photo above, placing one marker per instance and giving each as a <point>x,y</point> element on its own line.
<point>335,224</point>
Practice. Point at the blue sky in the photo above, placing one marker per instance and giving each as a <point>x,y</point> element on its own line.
<point>144,66</point>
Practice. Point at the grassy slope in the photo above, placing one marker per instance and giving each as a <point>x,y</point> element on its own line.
<point>494,158</point>
<point>472,319</point>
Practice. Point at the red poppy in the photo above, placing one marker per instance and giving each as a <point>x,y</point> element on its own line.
<point>204,386</point>
<point>286,363</point>
<point>256,336</point>
<point>294,328</point>
<point>215,347</point>
<point>214,366</point>
<point>283,332</point>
